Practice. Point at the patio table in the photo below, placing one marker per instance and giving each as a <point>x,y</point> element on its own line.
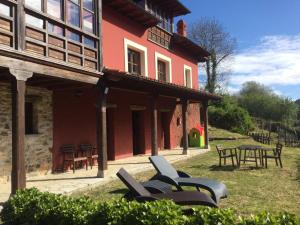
<point>257,150</point>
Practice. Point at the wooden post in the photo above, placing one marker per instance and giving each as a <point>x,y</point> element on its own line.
<point>185,140</point>
<point>154,145</point>
<point>205,117</point>
<point>101,128</point>
<point>18,88</point>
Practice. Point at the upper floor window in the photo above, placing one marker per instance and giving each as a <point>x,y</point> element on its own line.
<point>54,8</point>
<point>77,13</point>
<point>166,20</point>
<point>4,10</point>
<point>163,66</point>
<point>134,62</point>
<point>188,77</point>
<point>162,71</point>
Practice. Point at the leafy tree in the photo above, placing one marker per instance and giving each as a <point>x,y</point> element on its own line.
<point>260,101</point>
<point>211,35</point>
<point>228,115</point>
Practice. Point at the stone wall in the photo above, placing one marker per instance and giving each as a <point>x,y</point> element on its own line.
<point>37,154</point>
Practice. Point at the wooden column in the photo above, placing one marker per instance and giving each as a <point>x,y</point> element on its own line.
<point>102,129</point>
<point>154,145</point>
<point>18,88</point>
<point>205,117</point>
<point>185,140</point>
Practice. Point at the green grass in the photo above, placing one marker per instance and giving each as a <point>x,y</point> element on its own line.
<point>251,190</point>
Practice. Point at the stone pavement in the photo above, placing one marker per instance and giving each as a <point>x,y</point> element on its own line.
<point>67,183</point>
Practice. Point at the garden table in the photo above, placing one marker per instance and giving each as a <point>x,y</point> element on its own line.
<point>255,150</point>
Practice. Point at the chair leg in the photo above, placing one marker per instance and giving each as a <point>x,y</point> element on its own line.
<point>224,161</point>
<point>276,161</point>
<point>220,162</point>
<point>74,166</point>
<point>232,160</point>
<point>266,162</point>
<point>280,162</point>
<point>91,163</point>
<point>245,154</point>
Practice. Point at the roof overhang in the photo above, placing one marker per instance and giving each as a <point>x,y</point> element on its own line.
<point>189,46</point>
<point>133,11</point>
<point>174,7</point>
<point>123,80</point>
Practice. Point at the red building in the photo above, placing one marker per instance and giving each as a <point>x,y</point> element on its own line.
<point>113,74</point>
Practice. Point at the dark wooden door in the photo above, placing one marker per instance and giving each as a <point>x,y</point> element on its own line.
<point>165,130</point>
<point>110,134</point>
<point>136,132</point>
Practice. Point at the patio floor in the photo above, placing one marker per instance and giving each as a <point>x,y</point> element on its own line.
<point>67,183</point>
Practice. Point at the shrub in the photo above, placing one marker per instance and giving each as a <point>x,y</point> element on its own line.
<point>31,207</point>
<point>228,115</point>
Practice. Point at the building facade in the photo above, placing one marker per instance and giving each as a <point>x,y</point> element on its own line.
<point>111,73</point>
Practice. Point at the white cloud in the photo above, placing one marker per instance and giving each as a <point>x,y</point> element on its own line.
<point>275,61</point>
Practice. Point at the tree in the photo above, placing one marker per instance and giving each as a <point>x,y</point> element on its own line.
<point>261,102</point>
<point>210,34</point>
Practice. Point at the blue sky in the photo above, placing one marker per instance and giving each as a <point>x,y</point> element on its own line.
<point>268,36</point>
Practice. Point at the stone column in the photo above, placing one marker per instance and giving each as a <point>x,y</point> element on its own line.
<point>18,172</point>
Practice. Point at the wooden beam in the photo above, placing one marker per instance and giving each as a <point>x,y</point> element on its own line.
<point>102,128</point>
<point>184,127</point>
<point>154,145</point>
<point>22,65</point>
<point>18,173</point>
<point>205,117</point>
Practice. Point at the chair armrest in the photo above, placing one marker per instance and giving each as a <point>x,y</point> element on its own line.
<point>167,180</point>
<point>146,198</point>
<point>183,174</point>
<point>229,149</point>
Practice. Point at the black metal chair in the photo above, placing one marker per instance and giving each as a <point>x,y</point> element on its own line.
<point>89,151</point>
<point>70,155</point>
<point>275,154</point>
<point>225,153</point>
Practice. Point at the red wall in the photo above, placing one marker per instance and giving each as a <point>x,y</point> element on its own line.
<point>75,120</point>
<point>117,27</point>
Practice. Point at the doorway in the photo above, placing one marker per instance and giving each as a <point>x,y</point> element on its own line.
<point>137,133</point>
<point>165,130</point>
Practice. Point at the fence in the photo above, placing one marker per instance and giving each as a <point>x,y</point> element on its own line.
<point>267,139</point>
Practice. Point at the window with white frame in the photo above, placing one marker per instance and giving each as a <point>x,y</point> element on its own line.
<point>188,82</point>
<point>163,67</point>
<point>136,60</point>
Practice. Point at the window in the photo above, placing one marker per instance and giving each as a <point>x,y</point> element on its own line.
<point>4,10</point>
<point>136,59</point>
<point>30,119</point>
<point>88,16</point>
<point>54,8</point>
<point>162,71</point>
<point>163,66</point>
<point>73,12</point>
<point>35,4</point>
<point>34,21</point>
<point>188,77</point>
<point>55,29</point>
<point>134,62</point>
<point>73,36</point>
<point>89,42</point>
<point>166,21</point>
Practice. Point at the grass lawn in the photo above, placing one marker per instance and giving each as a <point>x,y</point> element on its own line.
<point>251,190</point>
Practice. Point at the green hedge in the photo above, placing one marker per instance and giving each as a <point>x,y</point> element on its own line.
<point>31,207</point>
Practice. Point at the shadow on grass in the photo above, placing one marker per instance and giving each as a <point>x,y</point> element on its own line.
<point>222,168</point>
<point>119,191</point>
